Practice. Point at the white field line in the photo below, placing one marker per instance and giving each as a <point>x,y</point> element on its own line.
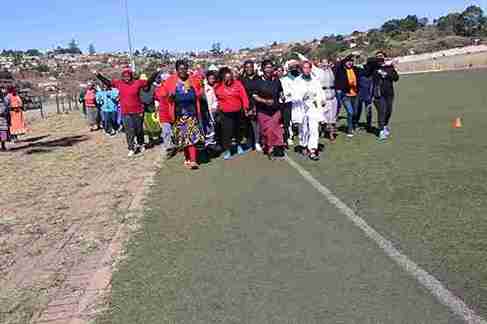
<point>429,282</point>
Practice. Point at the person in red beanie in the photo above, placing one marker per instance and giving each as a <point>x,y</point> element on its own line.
<point>131,106</point>
<point>183,93</point>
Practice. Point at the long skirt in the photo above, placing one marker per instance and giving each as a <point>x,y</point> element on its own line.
<point>17,122</point>
<point>187,131</point>
<point>271,130</point>
<point>330,112</point>
<point>152,128</point>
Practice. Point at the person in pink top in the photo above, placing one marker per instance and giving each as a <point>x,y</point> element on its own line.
<point>131,107</point>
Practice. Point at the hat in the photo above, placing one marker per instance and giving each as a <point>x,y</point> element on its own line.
<point>127,72</point>
<point>143,76</point>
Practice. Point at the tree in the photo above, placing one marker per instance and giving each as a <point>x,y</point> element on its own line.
<point>391,27</point>
<point>91,49</point>
<point>423,22</point>
<point>216,49</point>
<point>449,23</point>
<point>471,21</point>
<point>73,47</point>
<point>42,68</point>
<point>33,52</point>
<point>409,24</point>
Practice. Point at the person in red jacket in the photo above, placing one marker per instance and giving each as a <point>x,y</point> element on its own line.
<point>232,99</point>
<point>165,119</point>
<point>183,93</point>
<point>131,107</point>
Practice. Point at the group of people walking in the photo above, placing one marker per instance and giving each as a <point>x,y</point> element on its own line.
<point>12,121</point>
<point>266,105</point>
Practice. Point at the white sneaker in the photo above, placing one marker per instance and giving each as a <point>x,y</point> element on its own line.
<point>142,149</point>
<point>350,135</point>
<point>131,153</point>
<point>258,148</point>
<point>290,142</point>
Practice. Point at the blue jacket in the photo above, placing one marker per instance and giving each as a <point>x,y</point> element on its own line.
<point>108,100</point>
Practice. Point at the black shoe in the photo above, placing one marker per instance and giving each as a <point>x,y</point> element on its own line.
<point>279,153</point>
<point>314,156</point>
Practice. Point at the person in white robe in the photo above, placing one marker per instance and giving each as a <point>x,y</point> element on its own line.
<point>314,104</point>
<point>293,105</point>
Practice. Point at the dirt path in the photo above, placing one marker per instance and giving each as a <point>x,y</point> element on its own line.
<point>65,197</point>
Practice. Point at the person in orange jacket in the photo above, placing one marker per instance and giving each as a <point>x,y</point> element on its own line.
<point>183,93</point>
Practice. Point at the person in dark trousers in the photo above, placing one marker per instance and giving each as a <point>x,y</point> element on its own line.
<point>347,85</point>
<point>131,107</point>
<point>383,75</point>
<point>233,102</point>
<point>249,79</point>
<point>365,92</point>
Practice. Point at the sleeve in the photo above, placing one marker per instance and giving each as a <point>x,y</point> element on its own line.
<point>280,92</point>
<point>115,83</point>
<point>244,97</point>
<point>116,95</point>
<point>141,84</point>
<point>394,75</point>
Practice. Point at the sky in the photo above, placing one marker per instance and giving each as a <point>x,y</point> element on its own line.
<point>196,24</point>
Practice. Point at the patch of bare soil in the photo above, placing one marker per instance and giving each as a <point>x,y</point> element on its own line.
<point>64,199</point>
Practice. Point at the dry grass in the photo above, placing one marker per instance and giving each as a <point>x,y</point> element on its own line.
<point>64,195</point>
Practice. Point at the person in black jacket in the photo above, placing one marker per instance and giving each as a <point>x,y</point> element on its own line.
<point>383,75</point>
<point>347,85</point>
<point>250,79</point>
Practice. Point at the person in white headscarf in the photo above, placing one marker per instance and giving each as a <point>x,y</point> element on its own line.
<point>314,106</point>
<point>324,74</point>
<point>293,105</point>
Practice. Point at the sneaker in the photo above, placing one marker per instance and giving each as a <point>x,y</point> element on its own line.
<point>131,153</point>
<point>142,149</point>
<point>187,164</point>
<point>241,150</point>
<point>227,155</point>
<point>350,135</point>
<point>258,148</point>
<point>278,153</point>
<point>387,130</point>
<point>193,166</point>
<point>290,142</point>
<point>383,135</point>
<point>314,156</point>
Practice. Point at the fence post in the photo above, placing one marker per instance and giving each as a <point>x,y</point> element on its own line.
<point>69,103</point>
<point>57,103</point>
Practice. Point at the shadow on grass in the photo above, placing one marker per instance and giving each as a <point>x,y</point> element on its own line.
<point>48,146</point>
<point>34,139</point>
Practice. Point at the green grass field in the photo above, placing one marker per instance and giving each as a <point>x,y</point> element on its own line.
<point>250,242</point>
<point>426,189</point>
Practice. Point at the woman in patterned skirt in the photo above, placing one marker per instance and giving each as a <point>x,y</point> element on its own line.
<point>184,92</point>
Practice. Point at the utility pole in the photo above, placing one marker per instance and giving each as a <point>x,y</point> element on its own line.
<point>129,36</point>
